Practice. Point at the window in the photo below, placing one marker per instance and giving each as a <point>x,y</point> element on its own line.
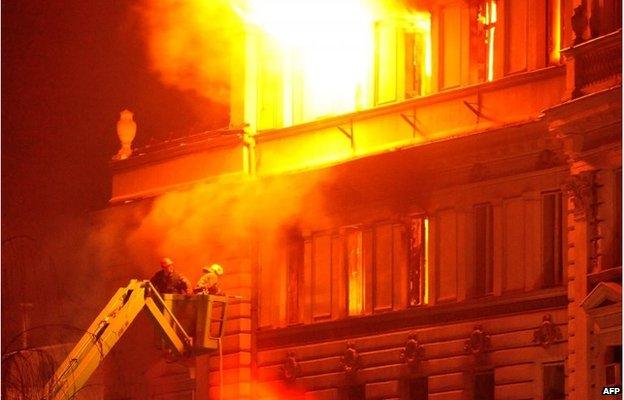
<point>617,204</point>
<point>418,260</point>
<point>356,392</point>
<point>416,389</point>
<point>386,63</point>
<point>294,266</point>
<point>484,385</point>
<point>355,272</point>
<point>483,250</point>
<point>613,366</point>
<point>321,276</point>
<point>554,31</point>
<point>483,16</point>
<point>376,259</point>
<point>382,267</point>
<point>402,58</point>
<point>554,382</point>
<point>552,263</point>
<point>417,44</point>
<point>517,35</point>
<point>450,56</point>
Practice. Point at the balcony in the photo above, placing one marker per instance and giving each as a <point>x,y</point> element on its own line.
<point>507,102</point>
<point>594,65</point>
<point>512,100</point>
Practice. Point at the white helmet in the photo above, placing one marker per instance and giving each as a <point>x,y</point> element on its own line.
<point>216,268</point>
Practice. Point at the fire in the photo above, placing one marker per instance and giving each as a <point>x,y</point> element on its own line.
<point>488,19</point>
<point>314,58</point>
<point>327,50</point>
<point>328,44</point>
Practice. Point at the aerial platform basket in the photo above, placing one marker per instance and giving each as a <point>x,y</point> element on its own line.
<point>202,316</point>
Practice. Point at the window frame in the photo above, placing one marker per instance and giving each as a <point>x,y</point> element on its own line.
<point>558,269</point>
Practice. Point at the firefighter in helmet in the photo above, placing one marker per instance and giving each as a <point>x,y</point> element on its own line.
<point>209,281</point>
<point>167,280</point>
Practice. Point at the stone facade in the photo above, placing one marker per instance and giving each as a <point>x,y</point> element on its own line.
<point>465,244</point>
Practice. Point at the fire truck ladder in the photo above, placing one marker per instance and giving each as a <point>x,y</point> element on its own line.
<point>112,323</point>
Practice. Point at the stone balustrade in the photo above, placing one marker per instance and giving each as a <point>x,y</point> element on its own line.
<point>594,65</point>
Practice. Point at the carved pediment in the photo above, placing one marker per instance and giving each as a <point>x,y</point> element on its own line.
<point>604,294</point>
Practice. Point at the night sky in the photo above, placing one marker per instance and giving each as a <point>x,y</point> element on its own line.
<point>68,69</point>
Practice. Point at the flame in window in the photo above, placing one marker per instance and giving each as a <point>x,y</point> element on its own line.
<point>309,58</point>
<point>488,17</point>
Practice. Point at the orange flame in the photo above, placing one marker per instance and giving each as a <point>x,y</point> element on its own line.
<point>321,53</point>
<point>330,44</point>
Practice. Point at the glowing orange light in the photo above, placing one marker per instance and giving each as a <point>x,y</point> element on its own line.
<point>426,263</point>
<point>330,45</point>
<point>356,273</point>
<point>491,21</point>
<point>304,59</point>
<point>327,48</point>
<point>556,32</point>
<point>422,23</point>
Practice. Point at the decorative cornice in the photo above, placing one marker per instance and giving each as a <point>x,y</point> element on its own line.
<point>410,319</point>
<point>548,333</point>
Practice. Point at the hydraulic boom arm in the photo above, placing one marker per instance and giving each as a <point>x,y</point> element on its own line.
<point>107,329</point>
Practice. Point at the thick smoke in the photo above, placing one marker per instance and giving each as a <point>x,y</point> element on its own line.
<point>215,221</point>
<point>189,44</point>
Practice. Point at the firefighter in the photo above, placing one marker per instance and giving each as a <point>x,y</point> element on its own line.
<point>167,280</point>
<point>209,281</point>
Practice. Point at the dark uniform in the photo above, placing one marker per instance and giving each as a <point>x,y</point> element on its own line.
<point>170,282</point>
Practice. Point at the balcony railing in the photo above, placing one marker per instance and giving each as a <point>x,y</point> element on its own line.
<point>594,65</point>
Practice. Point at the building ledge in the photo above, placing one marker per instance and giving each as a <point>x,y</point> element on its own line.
<point>178,147</point>
<point>408,105</point>
<point>606,275</point>
<point>413,318</point>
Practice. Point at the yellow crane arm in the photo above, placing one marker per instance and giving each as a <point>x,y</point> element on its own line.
<point>107,329</point>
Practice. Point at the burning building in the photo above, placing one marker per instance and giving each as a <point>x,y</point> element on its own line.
<point>416,200</point>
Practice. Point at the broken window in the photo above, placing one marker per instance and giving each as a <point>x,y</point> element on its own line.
<point>483,17</point>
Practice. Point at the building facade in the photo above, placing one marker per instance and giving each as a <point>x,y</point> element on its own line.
<point>450,229</point>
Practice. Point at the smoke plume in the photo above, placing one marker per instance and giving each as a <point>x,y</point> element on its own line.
<point>189,44</point>
<point>215,221</point>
